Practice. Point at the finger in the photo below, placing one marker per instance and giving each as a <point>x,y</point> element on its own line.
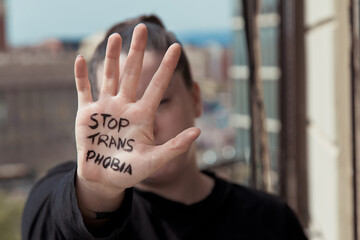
<point>134,62</point>
<point>82,82</point>
<point>110,81</point>
<point>162,77</point>
<point>174,147</point>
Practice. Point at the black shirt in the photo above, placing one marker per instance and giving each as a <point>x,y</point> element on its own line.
<point>230,212</point>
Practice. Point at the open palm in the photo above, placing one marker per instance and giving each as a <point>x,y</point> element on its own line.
<point>114,135</point>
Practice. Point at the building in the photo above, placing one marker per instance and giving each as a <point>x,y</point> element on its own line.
<point>37,105</point>
<point>310,61</point>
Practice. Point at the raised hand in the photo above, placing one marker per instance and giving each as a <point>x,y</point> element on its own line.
<point>114,135</point>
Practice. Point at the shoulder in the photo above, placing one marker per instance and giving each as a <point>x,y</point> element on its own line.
<point>254,204</point>
<point>263,211</point>
<point>243,195</point>
<point>45,184</point>
<point>38,206</point>
<point>254,214</point>
<point>58,171</point>
<point>253,197</point>
<point>61,168</point>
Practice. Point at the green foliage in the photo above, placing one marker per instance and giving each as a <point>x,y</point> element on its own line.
<point>11,207</point>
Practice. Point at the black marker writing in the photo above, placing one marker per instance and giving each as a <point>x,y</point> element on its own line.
<point>112,142</point>
<point>129,145</point>
<point>108,122</point>
<point>109,141</point>
<point>123,123</point>
<point>112,123</point>
<point>109,162</point>
<point>103,139</point>
<point>104,117</point>
<point>93,119</point>
<point>93,137</point>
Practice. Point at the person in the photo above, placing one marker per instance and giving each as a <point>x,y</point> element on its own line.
<point>136,175</point>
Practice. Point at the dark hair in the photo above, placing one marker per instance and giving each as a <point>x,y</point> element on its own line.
<point>159,39</point>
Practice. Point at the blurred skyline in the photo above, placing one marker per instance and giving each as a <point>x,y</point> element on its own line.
<point>31,22</point>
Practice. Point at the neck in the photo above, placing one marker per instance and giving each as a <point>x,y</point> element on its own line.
<point>189,187</point>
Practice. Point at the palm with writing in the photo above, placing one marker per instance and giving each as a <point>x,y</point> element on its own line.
<point>117,114</point>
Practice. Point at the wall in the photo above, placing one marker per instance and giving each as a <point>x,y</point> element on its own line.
<point>327,44</point>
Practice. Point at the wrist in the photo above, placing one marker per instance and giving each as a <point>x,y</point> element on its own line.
<point>98,189</point>
<point>96,198</point>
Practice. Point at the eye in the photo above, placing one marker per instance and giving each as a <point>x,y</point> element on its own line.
<point>164,100</point>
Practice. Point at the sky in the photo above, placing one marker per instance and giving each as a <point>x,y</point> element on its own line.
<point>32,21</point>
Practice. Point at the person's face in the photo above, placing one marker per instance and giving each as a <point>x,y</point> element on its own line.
<point>177,111</point>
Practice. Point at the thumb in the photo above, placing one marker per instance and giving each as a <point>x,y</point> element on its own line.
<point>174,147</point>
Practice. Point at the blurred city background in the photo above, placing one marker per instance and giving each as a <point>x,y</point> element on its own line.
<point>308,71</point>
